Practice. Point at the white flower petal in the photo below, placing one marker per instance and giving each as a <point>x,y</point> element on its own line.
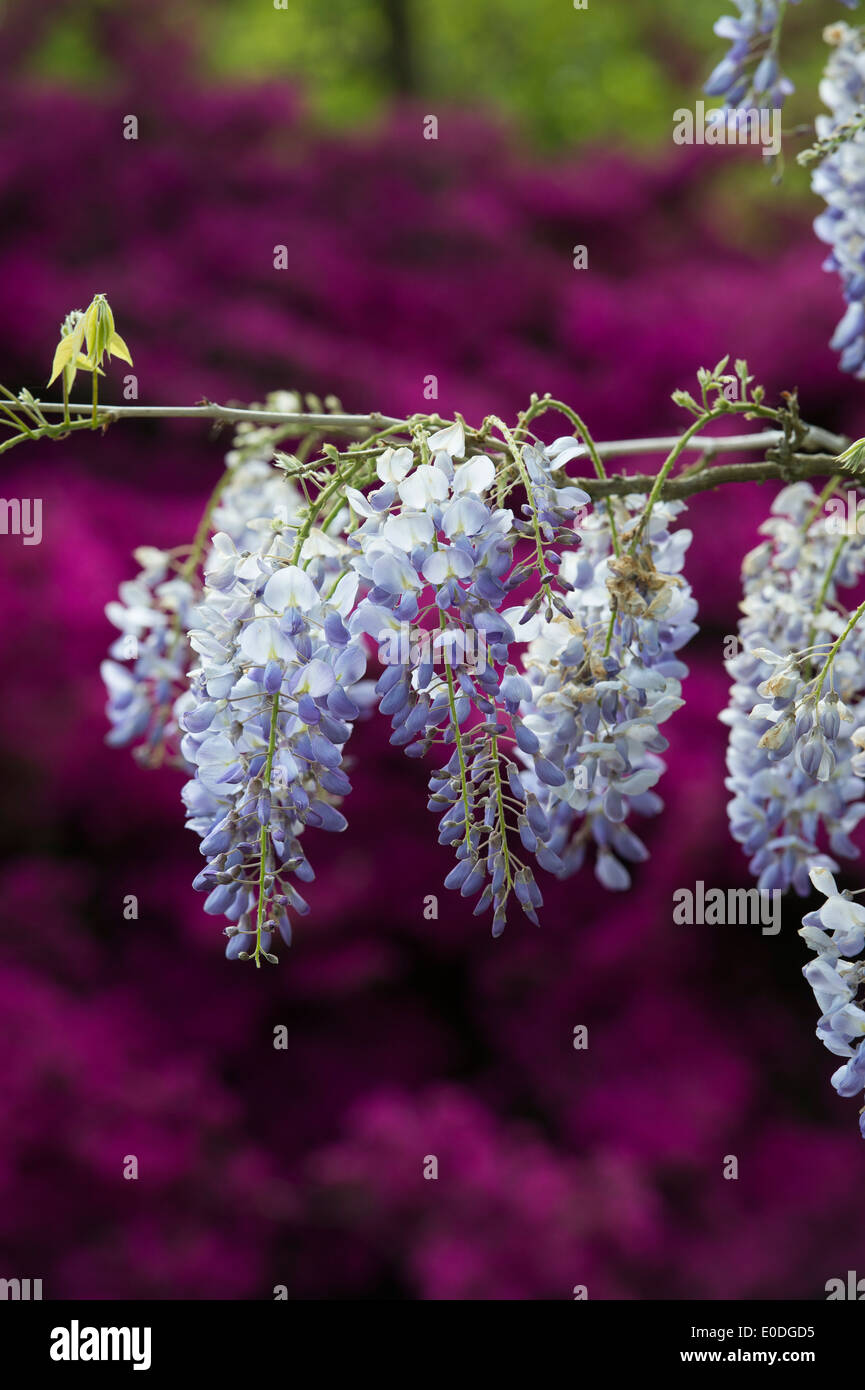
<point>475,476</point>
<point>424,486</point>
<point>408,529</point>
<point>446,564</point>
<point>316,678</point>
<point>262,640</point>
<point>344,595</point>
<point>465,517</point>
<point>290,588</point>
<point>840,914</point>
<point>358,502</point>
<point>451,440</point>
<point>393,465</point>
<point>822,880</point>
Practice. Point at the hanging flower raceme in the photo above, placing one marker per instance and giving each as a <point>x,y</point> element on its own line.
<point>145,675</point>
<point>599,687</point>
<point>269,711</point>
<point>749,74</point>
<point>796,727</point>
<point>435,553</point>
<point>839,180</point>
<point>790,752</point>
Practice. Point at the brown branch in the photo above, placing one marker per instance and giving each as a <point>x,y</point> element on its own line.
<point>799,468</point>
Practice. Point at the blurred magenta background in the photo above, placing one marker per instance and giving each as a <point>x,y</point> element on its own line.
<point>303,1167</point>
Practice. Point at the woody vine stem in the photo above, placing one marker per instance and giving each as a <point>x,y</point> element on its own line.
<point>818,452</point>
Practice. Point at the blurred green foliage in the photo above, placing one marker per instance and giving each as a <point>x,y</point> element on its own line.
<point>613,71</point>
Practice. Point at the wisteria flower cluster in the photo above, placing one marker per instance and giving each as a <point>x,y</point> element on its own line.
<point>603,682</point>
<point>795,700</point>
<point>797,732</point>
<point>749,74</point>
<point>839,179</point>
<point>152,614</point>
<point>749,77</point>
<point>433,544</point>
<point>270,708</point>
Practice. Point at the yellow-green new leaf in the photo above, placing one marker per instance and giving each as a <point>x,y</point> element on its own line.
<point>117,348</point>
<point>67,350</point>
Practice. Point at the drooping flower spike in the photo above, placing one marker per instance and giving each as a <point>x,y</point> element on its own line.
<point>749,79</point>
<point>270,709</point>
<point>838,179</point>
<point>749,75</point>
<point>602,683</point>
<point>437,558</point>
<point>790,750</point>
